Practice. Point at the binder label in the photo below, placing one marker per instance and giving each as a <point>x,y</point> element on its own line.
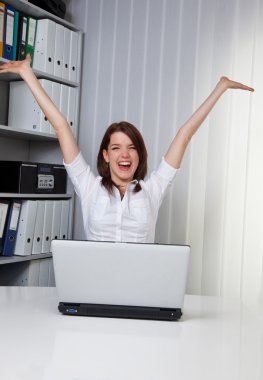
<point>1,23</point>
<point>3,212</point>
<point>10,27</point>
<point>31,32</point>
<point>24,30</point>
<point>15,216</point>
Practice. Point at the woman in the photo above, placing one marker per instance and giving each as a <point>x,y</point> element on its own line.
<point>119,205</point>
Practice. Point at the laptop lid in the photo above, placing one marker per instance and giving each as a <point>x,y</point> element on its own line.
<point>120,278</point>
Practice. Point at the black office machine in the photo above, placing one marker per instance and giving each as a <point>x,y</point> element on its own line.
<point>56,7</point>
<point>32,178</point>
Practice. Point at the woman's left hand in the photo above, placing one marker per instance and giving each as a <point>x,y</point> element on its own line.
<point>228,83</point>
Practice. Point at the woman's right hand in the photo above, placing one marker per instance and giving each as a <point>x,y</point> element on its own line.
<point>16,67</point>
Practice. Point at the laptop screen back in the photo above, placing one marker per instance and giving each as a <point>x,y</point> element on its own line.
<point>148,275</point>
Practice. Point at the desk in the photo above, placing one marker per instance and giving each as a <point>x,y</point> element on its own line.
<point>215,339</point>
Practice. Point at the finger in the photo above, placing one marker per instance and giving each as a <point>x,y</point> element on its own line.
<point>28,57</point>
<point>250,89</point>
<point>244,87</point>
<point>239,85</point>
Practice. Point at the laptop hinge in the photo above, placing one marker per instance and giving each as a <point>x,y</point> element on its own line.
<point>117,311</point>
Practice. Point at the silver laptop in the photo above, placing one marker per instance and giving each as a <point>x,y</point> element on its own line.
<point>124,280</point>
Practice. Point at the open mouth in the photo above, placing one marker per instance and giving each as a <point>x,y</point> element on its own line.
<point>124,165</point>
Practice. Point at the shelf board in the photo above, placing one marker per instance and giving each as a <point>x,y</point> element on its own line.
<point>35,11</point>
<point>9,77</point>
<point>43,75</point>
<point>35,196</point>
<point>17,259</point>
<point>24,134</point>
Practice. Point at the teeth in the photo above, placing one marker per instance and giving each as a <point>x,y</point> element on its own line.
<point>124,163</point>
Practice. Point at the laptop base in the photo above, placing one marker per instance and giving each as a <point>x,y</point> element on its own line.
<point>115,311</point>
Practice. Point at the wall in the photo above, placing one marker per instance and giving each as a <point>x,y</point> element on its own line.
<point>152,62</point>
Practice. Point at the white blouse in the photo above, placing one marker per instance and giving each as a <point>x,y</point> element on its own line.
<point>107,217</point>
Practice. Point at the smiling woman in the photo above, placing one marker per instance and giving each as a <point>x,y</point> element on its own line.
<point>119,204</point>
<point>122,156</point>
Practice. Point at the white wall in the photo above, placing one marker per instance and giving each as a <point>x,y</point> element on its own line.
<point>152,62</point>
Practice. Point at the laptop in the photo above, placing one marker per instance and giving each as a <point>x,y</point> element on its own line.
<point>120,280</point>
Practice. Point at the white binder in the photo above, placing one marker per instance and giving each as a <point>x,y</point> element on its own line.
<point>33,273</point>
<point>44,272</point>
<point>47,227</point>
<point>64,219</point>
<point>44,123</point>
<point>56,220</point>
<point>73,64</point>
<point>45,46</point>
<point>56,89</point>
<point>24,111</point>
<point>71,113</point>
<point>64,99</point>
<point>59,46</point>
<point>26,225</point>
<point>38,231</point>
<point>51,277</point>
<point>66,54</point>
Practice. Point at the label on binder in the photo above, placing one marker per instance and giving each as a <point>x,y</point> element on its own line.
<point>3,213</point>
<point>9,27</point>
<point>15,216</point>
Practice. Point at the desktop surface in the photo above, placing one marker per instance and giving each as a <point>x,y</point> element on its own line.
<point>216,338</point>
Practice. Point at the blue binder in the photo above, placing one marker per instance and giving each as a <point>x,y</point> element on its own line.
<point>4,206</point>
<point>9,237</point>
<point>9,22</point>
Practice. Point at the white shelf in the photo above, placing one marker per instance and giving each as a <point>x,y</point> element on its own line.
<point>39,74</point>
<point>35,196</point>
<point>17,259</point>
<point>24,134</point>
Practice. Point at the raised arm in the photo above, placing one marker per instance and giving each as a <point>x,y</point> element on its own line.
<point>65,136</point>
<point>178,146</point>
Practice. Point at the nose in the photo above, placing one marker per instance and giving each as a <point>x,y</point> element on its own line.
<point>125,153</point>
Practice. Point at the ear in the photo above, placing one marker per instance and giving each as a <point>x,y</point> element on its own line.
<point>105,155</point>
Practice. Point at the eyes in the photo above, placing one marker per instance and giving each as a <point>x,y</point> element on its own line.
<point>117,147</point>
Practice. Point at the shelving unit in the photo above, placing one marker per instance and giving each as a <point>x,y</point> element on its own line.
<point>25,145</point>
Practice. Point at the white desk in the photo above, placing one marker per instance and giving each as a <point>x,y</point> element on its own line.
<point>215,339</point>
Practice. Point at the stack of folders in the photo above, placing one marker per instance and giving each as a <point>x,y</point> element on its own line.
<point>17,33</point>
<point>56,50</point>
<point>53,47</point>
<point>27,227</point>
<point>25,113</point>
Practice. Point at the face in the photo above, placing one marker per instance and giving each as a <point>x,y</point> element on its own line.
<point>122,157</point>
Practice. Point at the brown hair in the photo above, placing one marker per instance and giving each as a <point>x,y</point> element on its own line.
<point>133,133</point>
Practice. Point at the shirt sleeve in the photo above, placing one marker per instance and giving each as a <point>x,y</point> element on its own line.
<point>159,181</point>
<point>80,175</point>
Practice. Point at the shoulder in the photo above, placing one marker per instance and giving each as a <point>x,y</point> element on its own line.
<point>81,174</point>
<point>165,170</point>
<point>164,173</point>
<point>78,165</point>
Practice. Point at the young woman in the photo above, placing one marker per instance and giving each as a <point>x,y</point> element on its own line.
<point>119,205</point>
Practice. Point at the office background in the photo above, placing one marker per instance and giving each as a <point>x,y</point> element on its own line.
<point>152,62</point>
